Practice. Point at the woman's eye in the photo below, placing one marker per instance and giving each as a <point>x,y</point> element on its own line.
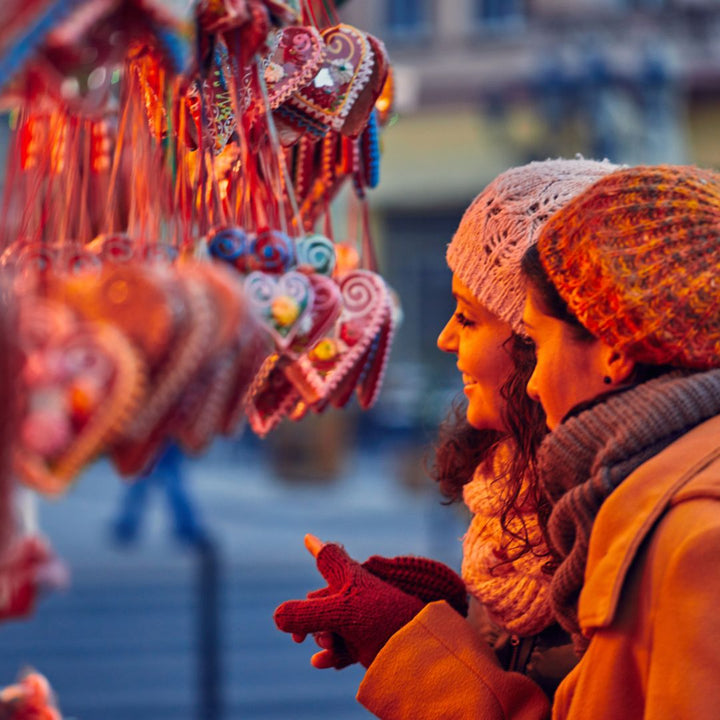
<point>462,320</point>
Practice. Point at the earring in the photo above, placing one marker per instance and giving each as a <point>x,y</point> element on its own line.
<point>607,380</point>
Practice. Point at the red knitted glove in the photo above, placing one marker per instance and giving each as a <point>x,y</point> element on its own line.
<point>361,611</point>
<point>426,579</point>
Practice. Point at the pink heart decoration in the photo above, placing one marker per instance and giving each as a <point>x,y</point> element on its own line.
<point>282,304</point>
<point>295,56</point>
<point>337,360</point>
<point>82,382</point>
<point>324,311</point>
<point>270,398</point>
<point>345,71</point>
<point>359,115</point>
<point>371,378</point>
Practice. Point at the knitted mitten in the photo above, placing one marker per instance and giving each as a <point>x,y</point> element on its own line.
<point>359,608</point>
<point>426,579</point>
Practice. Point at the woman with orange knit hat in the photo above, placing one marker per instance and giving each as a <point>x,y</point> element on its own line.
<point>624,309</point>
<point>486,456</point>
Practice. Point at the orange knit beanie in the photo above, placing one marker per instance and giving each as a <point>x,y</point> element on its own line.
<point>636,257</point>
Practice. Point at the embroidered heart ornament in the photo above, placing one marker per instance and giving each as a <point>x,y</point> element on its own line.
<point>340,357</point>
<point>282,303</point>
<point>345,71</point>
<point>371,377</point>
<point>295,56</point>
<point>270,398</point>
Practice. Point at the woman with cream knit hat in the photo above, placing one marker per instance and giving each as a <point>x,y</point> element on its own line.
<point>486,458</point>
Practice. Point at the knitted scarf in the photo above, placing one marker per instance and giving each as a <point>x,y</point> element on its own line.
<point>583,460</point>
<point>515,590</point>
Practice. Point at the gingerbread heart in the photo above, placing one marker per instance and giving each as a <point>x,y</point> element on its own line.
<point>295,56</point>
<point>333,366</point>
<point>282,303</point>
<point>270,398</point>
<point>370,380</point>
<point>210,112</point>
<point>81,387</point>
<point>345,71</point>
<point>357,118</point>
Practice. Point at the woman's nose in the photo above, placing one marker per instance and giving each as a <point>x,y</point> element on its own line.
<point>531,387</point>
<point>447,339</point>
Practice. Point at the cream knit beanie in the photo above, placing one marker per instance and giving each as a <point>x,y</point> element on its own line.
<point>505,219</point>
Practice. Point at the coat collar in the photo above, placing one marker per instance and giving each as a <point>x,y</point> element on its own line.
<point>679,472</point>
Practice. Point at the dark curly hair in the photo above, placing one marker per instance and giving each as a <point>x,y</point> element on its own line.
<point>460,449</point>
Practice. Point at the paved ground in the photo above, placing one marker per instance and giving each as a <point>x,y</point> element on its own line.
<point>124,641</point>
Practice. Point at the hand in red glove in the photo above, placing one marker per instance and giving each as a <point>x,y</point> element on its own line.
<point>426,579</point>
<point>353,617</point>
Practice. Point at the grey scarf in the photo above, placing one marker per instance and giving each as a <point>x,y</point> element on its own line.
<point>583,460</point>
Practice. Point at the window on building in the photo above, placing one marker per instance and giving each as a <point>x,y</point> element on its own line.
<point>408,18</point>
<point>499,13</point>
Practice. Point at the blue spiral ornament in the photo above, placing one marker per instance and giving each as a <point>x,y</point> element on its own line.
<point>318,252</point>
<point>229,244</point>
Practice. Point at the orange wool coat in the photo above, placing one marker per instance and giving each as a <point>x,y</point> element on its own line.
<point>650,603</point>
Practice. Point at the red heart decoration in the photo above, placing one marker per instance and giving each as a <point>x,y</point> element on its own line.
<point>295,56</point>
<point>83,380</point>
<point>345,70</point>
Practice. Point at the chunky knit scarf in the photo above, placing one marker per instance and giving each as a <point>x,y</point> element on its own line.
<point>514,589</point>
<point>592,452</point>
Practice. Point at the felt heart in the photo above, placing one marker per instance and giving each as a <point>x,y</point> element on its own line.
<point>357,118</point>
<point>370,380</point>
<point>282,303</point>
<point>346,69</point>
<point>81,387</point>
<point>146,434</point>
<point>253,358</point>
<point>295,56</point>
<point>270,398</point>
<point>325,309</point>
<point>336,361</point>
<point>192,339</point>
<point>199,411</point>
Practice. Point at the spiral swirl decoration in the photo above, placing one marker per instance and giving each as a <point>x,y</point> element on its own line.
<point>318,252</point>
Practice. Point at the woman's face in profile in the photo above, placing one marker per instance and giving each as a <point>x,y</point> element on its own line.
<point>568,371</point>
<point>476,336</point>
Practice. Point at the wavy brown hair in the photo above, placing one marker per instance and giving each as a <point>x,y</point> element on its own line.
<point>460,449</point>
